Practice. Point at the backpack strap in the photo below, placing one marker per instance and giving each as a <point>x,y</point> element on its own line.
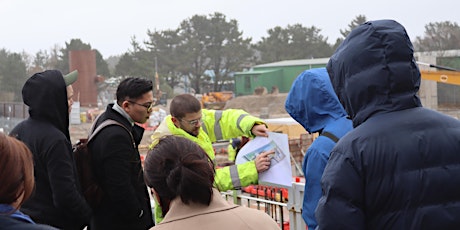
<point>331,136</point>
<point>105,124</point>
<point>93,126</point>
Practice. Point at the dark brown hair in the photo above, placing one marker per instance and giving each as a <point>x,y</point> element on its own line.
<point>16,170</point>
<point>176,167</point>
<point>183,104</point>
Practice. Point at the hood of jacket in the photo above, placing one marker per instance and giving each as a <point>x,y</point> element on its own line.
<point>374,71</point>
<point>312,101</point>
<point>46,95</point>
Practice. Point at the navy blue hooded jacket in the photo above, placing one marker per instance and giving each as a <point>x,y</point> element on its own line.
<point>399,168</point>
<point>313,103</point>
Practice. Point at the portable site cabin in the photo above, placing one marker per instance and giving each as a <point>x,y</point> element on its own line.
<point>277,74</point>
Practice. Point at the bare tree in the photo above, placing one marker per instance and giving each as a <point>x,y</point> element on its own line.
<point>439,36</point>
<point>360,19</point>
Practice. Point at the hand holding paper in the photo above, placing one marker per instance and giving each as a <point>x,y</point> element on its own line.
<point>279,171</point>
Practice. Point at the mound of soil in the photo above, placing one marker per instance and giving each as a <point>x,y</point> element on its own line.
<point>260,105</point>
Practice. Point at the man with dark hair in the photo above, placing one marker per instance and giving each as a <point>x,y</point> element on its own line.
<point>116,160</point>
<point>57,200</point>
<point>399,168</point>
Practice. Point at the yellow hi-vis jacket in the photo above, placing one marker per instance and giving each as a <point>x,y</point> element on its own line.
<point>219,125</point>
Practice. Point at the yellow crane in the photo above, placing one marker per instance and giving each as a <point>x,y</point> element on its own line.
<point>444,74</point>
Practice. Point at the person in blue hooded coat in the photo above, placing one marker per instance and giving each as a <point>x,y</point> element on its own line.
<point>313,103</point>
<point>399,168</point>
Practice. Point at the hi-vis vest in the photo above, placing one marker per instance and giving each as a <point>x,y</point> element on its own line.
<point>219,125</point>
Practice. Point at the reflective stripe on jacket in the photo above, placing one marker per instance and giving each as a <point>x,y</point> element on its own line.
<point>219,125</point>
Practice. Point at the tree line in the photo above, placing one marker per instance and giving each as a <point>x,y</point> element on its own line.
<point>206,49</point>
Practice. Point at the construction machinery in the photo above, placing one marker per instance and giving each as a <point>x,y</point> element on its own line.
<point>216,100</point>
<point>444,74</point>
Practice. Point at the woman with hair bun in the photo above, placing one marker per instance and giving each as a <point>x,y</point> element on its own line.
<point>16,184</point>
<point>181,177</point>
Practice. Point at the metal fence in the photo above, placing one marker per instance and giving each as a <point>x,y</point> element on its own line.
<point>8,123</point>
<point>11,113</point>
<point>13,109</point>
<point>287,215</point>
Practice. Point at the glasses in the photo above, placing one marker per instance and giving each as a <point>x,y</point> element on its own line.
<point>148,106</point>
<point>193,122</point>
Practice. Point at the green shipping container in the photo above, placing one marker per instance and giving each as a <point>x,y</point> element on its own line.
<point>274,75</point>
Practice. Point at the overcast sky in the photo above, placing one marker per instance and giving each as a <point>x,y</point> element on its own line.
<point>109,25</point>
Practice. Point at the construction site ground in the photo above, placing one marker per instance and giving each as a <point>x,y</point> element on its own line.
<point>270,105</point>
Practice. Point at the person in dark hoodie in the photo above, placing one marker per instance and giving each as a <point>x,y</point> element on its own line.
<point>399,168</point>
<point>116,159</point>
<point>313,103</point>
<point>57,200</point>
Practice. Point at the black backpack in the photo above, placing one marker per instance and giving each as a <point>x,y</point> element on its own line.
<point>90,188</point>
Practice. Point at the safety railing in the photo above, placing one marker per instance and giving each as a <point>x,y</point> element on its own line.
<point>276,210</point>
<point>294,205</point>
<point>286,211</point>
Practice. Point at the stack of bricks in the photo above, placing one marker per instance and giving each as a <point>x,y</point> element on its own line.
<point>298,146</point>
<point>296,149</point>
<point>305,141</point>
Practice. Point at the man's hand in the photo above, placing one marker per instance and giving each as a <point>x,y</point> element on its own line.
<point>263,161</point>
<point>260,130</point>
